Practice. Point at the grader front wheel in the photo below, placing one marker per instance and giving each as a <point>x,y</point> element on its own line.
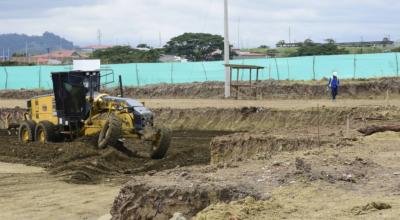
<point>160,143</point>
<point>110,133</point>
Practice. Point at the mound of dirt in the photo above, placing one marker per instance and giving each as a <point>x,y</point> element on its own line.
<point>370,207</point>
<point>155,198</point>
<point>266,89</point>
<point>243,209</point>
<point>22,93</point>
<point>271,89</point>
<point>81,162</point>
<point>244,146</point>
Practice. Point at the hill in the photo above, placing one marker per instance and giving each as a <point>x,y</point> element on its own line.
<point>16,43</point>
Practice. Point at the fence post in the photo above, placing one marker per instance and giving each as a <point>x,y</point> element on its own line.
<point>270,70</point>
<point>6,83</point>
<point>40,76</point>
<point>277,69</point>
<point>313,67</point>
<point>204,69</point>
<point>355,67</point>
<point>172,70</point>
<point>397,65</point>
<point>137,74</point>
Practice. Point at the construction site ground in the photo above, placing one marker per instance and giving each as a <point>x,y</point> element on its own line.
<point>220,103</point>
<point>229,159</point>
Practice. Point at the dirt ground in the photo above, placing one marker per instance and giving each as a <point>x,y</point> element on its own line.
<point>31,193</point>
<point>355,180</point>
<point>217,103</point>
<point>358,181</point>
<point>275,159</point>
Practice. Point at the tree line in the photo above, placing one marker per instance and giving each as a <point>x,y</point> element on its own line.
<point>207,47</point>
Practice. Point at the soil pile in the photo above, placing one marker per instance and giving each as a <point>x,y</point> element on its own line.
<point>248,208</point>
<point>160,200</point>
<point>81,162</point>
<point>271,89</point>
<point>266,89</point>
<point>245,146</point>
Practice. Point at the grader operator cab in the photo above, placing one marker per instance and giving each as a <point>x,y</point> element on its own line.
<point>78,109</point>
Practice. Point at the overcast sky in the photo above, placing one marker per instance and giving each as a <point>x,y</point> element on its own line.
<point>261,21</point>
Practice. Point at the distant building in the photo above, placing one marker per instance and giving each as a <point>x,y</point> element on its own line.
<point>164,58</point>
<point>382,43</point>
<point>143,48</point>
<point>248,55</point>
<point>366,44</point>
<point>92,48</point>
<point>287,45</point>
<point>56,57</point>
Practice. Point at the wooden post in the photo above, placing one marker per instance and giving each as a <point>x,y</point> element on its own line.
<point>288,69</point>
<point>314,75</point>
<point>250,77</point>
<point>237,84</point>
<point>40,76</point>
<point>397,65</point>
<point>137,75</point>
<point>6,83</point>
<point>355,67</point>
<point>172,71</point>
<point>257,71</point>
<point>269,71</point>
<point>204,69</point>
<point>277,69</point>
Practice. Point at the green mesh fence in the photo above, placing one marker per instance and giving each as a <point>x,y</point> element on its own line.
<point>296,68</point>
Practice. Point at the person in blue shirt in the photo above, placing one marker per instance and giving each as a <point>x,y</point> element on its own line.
<point>334,85</point>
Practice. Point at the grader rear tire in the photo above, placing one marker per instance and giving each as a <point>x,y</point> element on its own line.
<point>160,145</point>
<point>110,133</point>
<point>26,131</point>
<point>44,132</point>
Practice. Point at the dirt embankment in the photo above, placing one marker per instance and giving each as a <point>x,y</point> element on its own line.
<point>368,88</point>
<point>273,120</point>
<point>256,118</point>
<point>244,146</point>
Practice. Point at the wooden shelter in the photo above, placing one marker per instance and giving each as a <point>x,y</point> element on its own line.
<point>250,69</point>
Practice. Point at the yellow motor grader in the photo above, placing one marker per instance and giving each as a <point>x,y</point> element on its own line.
<point>78,109</point>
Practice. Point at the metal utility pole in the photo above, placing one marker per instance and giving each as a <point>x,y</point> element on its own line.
<point>238,37</point>
<point>99,37</point>
<point>226,52</point>
<point>26,51</point>
<point>160,39</point>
